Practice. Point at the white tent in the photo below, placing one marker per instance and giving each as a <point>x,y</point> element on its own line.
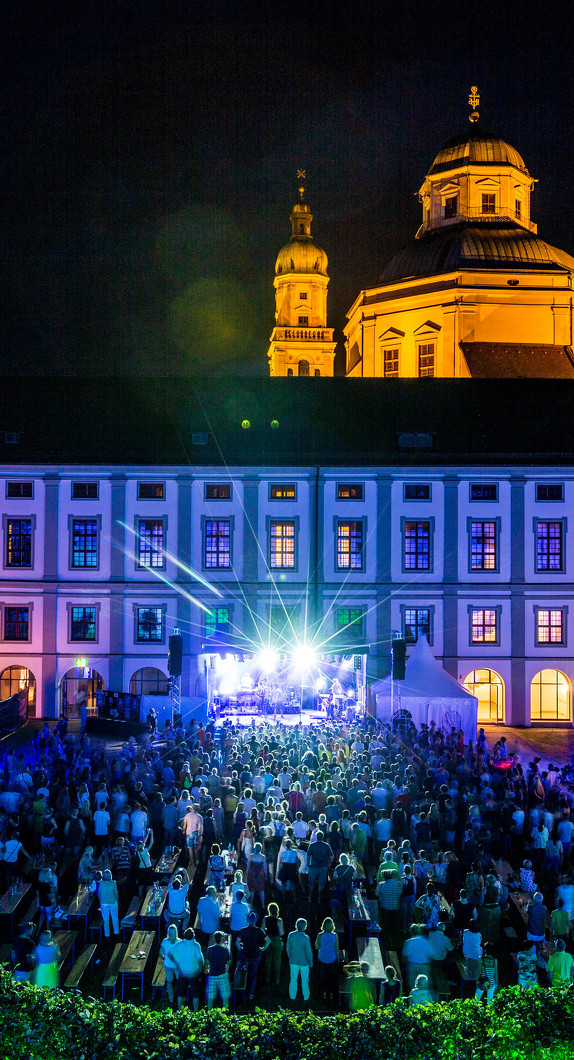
<point>429,694</point>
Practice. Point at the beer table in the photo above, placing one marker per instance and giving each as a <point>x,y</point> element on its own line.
<point>152,908</point>
<point>79,908</point>
<point>135,960</point>
<point>12,900</point>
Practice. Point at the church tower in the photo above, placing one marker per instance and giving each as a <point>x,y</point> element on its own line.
<point>301,342</point>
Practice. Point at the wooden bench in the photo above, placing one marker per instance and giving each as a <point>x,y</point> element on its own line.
<point>30,913</point>
<point>128,922</point>
<point>96,927</point>
<point>66,942</point>
<point>113,970</point>
<point>240,981</point>
<point>158,981</point>
<point>79,967</point>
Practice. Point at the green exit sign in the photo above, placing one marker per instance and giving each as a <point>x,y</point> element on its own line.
<point>81,662</point>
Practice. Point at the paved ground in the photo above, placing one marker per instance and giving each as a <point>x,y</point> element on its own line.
<point>551,745</point>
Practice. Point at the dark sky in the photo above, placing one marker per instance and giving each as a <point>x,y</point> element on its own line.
<point>150,152</point>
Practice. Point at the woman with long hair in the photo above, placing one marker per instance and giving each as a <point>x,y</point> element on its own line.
<point>327,947</point>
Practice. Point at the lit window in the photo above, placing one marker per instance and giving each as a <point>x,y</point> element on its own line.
<point>483,546</point>
<point>550,626</point>
<point>85,543</point>
<point>82,623</point>
<point>488,203</point>
<point>350,546</point>
<point>217,555</point>
<point>390,362</point>
<point>550,698</point>
<point>417,545</point>
<point>220,491</point>
<point>350,491</point>
<point>282,544</point>
<point>303,322</point>
<point>16,623</point>
<point>416,623</point>
<point>426,359</point>
<point>451,206</point>
<point>283,493</point>
<point>149,624</point>
<point>150,491</point>
<point>549,546</point>
<point>303,368</point>
<point>484,626</point>
<point>350,622</point>
<point>19,543</point>
<point>217,621</point>
<point>150,543</point>
<point>518,208</point>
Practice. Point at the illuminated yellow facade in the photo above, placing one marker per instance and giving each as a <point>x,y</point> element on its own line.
<point>477,293</point>
<point>301,343</point>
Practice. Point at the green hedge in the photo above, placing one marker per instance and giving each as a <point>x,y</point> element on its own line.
<point>41,1025</point>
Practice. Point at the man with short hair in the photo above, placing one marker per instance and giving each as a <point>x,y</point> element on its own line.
<point>192,827</point>
<point>251,942</point>
<point>300,957</point>
<point>319,858</point>
<point>560,965</point>
<point>209,912</point>
<point>188,959</point>
<point>217,962</point>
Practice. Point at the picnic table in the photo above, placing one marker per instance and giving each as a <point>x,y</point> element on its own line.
<point>519,902</point>
<point>136,957</point>
<point>153,906</point>
<point>364,911</point>
<point>369,953</point>
<point>166,864</point>
<point>79,907</point>
<point>11,901</point>
<point>66,942</point>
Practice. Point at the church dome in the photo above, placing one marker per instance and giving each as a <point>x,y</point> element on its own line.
<point>474,148</point>
<point>477,247</point>
<point>301,254</point>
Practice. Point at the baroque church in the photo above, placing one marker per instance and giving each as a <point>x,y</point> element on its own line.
<point>425,494</point>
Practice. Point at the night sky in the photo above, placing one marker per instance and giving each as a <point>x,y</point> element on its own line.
<point>150,153</point>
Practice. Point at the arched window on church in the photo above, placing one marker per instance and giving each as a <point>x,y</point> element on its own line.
<point>302,229</point>
<point>303,367</point>
<point>317,371</point>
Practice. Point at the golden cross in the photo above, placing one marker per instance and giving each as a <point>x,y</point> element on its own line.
<point>300,174</point>
<point>474,98</point>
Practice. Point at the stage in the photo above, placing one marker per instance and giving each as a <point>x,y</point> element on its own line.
<point>305,718</point>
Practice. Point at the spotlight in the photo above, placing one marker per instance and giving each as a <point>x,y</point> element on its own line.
<point>268,660</point>
<point>304,658</point>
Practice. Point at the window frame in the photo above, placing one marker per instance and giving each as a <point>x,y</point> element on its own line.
<point>416,607</point>
<point>386,352</point>
<point>97,519</point>
<point>29,607</point>
<point>482,500</point>
<point>303,321</point>
<point>70,606</point>
<point>354,629</point>
<point>417,485</point>
<point>420,355</point>
<point>294,521</point>
<point>563,643</point>
<point>78,482</point>
<point>210,632</point>
<point>6,519</point>
<point>497,524</point>
<point>449,199</point>
<point>350,485</point>
<point>563,523</point>
<point>162,608</point>
<point>150,519</point>
<point>19,496</point>
<point>153,483</point>
<point>217,486</point>
<point>431,525</point>
<point>205,519</point>
<point>488,212</point>
<point>339,522</point>
<point>282,486</point>
<point>548,500</point>
<point>474,609</point>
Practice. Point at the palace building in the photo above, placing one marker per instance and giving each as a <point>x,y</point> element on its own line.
<point>319,518</point>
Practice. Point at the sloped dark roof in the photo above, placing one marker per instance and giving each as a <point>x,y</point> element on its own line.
<point>365,422</point>
<point>491,245</point>
<point>518,360</point>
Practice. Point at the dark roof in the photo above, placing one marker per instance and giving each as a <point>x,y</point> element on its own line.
<point>491,245</point>
<point>323,421</point>
<point>518,360</point>
<point>476,148</point>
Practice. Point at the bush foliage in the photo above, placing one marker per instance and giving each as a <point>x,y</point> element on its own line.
<point>41,1025</point>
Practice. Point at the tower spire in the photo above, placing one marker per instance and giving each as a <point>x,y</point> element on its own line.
<point>474,101</point>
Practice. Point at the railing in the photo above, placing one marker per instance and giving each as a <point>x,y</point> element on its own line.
<point>312,334</point>
<point>469,213</point>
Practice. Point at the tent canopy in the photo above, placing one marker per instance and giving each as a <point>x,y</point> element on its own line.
<point>429,694</point>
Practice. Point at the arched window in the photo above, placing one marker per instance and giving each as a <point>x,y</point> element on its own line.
<point>488,687</point>
<point>550,697</point>
<point>78,686</point>
<point>14,679</point>
<point>302,229</point>
<point>317,371</point>
<point>303,367</point>
<point>149,681</point>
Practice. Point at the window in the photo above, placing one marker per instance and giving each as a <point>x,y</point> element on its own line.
<point>217,540</point>
<point>317,372</point>
<point>518,208</point>
<point>549,491</point>
<point>426,359</point>
<point>19,489</point>
<point>282,544</point>
<point>391,362</point>
<point>416,545</point>
<point>550,697</point>
<point>549,545</point>
<point>220,491</point>
<point>417,491</point>
<point>85,543</point>
<point>483,491</point>
<point>151,491</point>
<point>416,623</point>
<point>483,546</point>
<point>350,546</point>
<point>550,626</point>
<point>84,491</point>
<point>451,206</point>
<point>350,622</point>
<point>289,371</point>
<point>484,626</point>
<point>150,543</point>
<point>283,493</point>
<point>149,625</point>
<point>303,296</point>
<point>199,437</point>
<point>488,203</point>
<point>303,368</point>
<point>16,623</point>
<point>82,623</point>
<point>350,491</point>
<point>217,620</point>
<point>303,322</point>
<point>18,542</point>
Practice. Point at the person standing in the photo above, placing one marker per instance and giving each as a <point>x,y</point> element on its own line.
<point>560,965</point>
<point>169,966</point>
<point>192,827</point>
<point>109,902</point>
<point>217,962</point>
<point>48,956</point>
<point>188,959</point>
<point>274,929</point>
<point>327,947</point>
<point>251,943</point>
<point>319,859</point>
<point>300,957</point>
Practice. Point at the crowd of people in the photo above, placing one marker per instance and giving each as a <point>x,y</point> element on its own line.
<point>439,832</point>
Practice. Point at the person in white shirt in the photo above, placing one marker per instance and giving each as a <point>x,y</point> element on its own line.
<point>139,820</point>
<point>300,827</point>
<point>101,828</point>
<point>169,966</point>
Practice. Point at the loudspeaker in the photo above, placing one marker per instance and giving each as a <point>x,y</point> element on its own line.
<point>174,654</point>
<point>399,659</point>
